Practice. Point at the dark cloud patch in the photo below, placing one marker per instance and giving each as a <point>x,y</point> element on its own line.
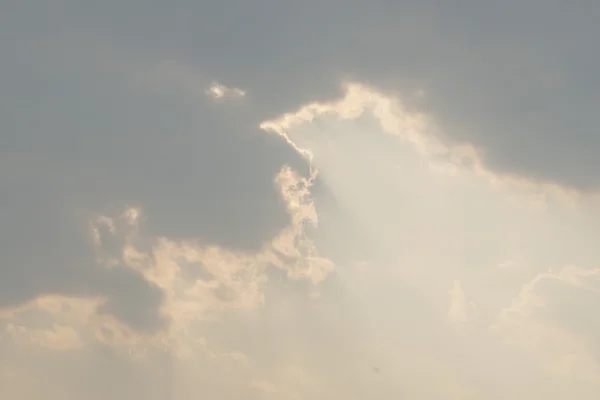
<point>131,299</point>
<point>517,79</point>
<point>80,139</point>
<point>45,250</point>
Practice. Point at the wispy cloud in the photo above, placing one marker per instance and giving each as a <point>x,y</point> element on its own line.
<point>218,91</point>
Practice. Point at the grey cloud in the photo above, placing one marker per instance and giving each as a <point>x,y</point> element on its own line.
<point>499,76</point>
<point>45,251</point>
<point>81,139</point>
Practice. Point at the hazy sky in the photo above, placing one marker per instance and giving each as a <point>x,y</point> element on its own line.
<point>299,200</point>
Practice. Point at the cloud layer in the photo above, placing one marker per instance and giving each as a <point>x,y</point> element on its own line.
<point>298,200</point>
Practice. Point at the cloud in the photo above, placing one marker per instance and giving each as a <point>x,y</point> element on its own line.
<point>199,280</point>
<point>158,242</point>
<point>505,91</point>
<point>219,91</point>
<point>336,136</point>
<point>415,127</point>
<point>549,317</point>
<point>304,346</point>
<point>47,252</point>
<point>460,307</point>
<point>62,177</point>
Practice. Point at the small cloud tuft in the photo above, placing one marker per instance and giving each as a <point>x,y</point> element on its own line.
<point>218,91</point>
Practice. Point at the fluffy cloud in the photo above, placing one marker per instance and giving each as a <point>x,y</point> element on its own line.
<point>550,317</point>
<point>199,281</point>
<point>436,243</point>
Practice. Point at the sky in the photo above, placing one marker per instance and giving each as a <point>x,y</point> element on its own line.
<point>299,200</point>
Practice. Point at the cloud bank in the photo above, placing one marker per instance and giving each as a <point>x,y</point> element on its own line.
<point>298,200</point>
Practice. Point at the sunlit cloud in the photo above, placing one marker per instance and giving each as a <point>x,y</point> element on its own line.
<point>219,91</point>
<point>383,201</point>
<point>199,281</point>
<point>519,221</point>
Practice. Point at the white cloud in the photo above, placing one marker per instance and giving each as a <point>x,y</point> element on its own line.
<point>521,228</point>
<point>415,127</point>
<point>219,91</point>
<point>175,74</point>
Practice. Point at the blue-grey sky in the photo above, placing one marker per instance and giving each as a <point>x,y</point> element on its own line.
<point>296,200</point>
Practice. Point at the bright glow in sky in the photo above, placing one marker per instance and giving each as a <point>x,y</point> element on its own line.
<point>299,201</point>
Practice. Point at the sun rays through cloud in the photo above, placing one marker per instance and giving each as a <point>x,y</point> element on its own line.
<point>298,201</point>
